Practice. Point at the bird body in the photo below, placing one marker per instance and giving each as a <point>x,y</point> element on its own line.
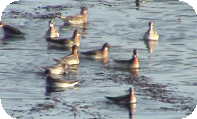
<point>56,69</point>
<point>99,53</point>
<point>10,31</point>
<point>76,19</point>
<point>65,42</point>
<point>132,63</point>
<point>71,59</point>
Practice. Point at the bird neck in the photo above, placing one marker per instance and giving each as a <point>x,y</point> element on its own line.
<point>105,53</point>
<point>76,38</point>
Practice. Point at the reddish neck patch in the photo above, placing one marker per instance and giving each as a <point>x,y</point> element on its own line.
<point>76,38</point>
<point>85,17</point>
<point>105,53</point>
<point>75,52</point>
<point>53,28</point>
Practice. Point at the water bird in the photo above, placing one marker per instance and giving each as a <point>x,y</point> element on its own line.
<point>99,53</point>
<point>124,99</point>
<point>132,63</point>
<point>10,31</point>
<point>56,69</point>
<point>151,34</point>
<point>76,19</point>
<point>52,82</point>
<point>71,59</point>
<point>51,32</point>
<point>66,42</point>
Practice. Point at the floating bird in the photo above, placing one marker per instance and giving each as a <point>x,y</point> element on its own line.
<point>51,32</point>
<point>99,53</point>
<point>56,69</point>
<point>10,31</point>
<point>66,42</point>
<point>132,63</point>
<point>151,34</point>
<point>125,99</point>
<point>71,59</point>
<point>51,82</point>
<point>76,19</point>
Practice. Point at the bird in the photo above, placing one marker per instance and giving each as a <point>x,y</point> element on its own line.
<point>125,99</point>
<point>10,31</point>
<point>76,19</point>
<point>71,59</point>
<point>151,34</point>
<point>99,53</point>
<point>51,32</point>
<point>66,42</point>
<point>56,69</point>
<point>52,82</point>
<point>132,63</point>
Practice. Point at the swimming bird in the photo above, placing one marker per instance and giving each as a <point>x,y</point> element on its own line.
<point>71,59</point>
<point>51,32</point>
<point>51,82</point>
<point>76,19</point>
<point>56,69</point>
<point>151,34</point>
<point>10,31</point>
<point>66,42</point>
<point>125,99</point>
<point>132,63</point>
<point>99,53</point>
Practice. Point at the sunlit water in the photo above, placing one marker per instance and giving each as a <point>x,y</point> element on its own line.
<point>120,23</point>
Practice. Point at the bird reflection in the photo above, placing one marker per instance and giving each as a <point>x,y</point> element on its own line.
<point>50,90</point>
<point>150,44</point>
<point>132,108</point>
<point>53,89</point>
<point>73,71</point>
<point>110,65</point>
<point>137,3</point>
<point>134,71</point>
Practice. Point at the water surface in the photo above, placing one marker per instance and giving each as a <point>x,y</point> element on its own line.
<point>166,82</point>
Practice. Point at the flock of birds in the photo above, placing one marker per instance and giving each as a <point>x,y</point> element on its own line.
<point>63,64</point>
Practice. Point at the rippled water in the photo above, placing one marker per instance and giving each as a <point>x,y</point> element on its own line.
<point>166,82</point>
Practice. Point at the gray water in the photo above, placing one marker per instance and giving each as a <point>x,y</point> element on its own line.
<point>165,85</point>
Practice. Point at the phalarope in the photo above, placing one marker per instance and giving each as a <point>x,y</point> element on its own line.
<point>51,82</point>
<point>76,19</point>
<point>151,34</point>
<point>10,31</point>
<point>133,62</point>
<point>125,99</point>
<point>71,59</point>
<point>66,42</point>
<point>51,32</point>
